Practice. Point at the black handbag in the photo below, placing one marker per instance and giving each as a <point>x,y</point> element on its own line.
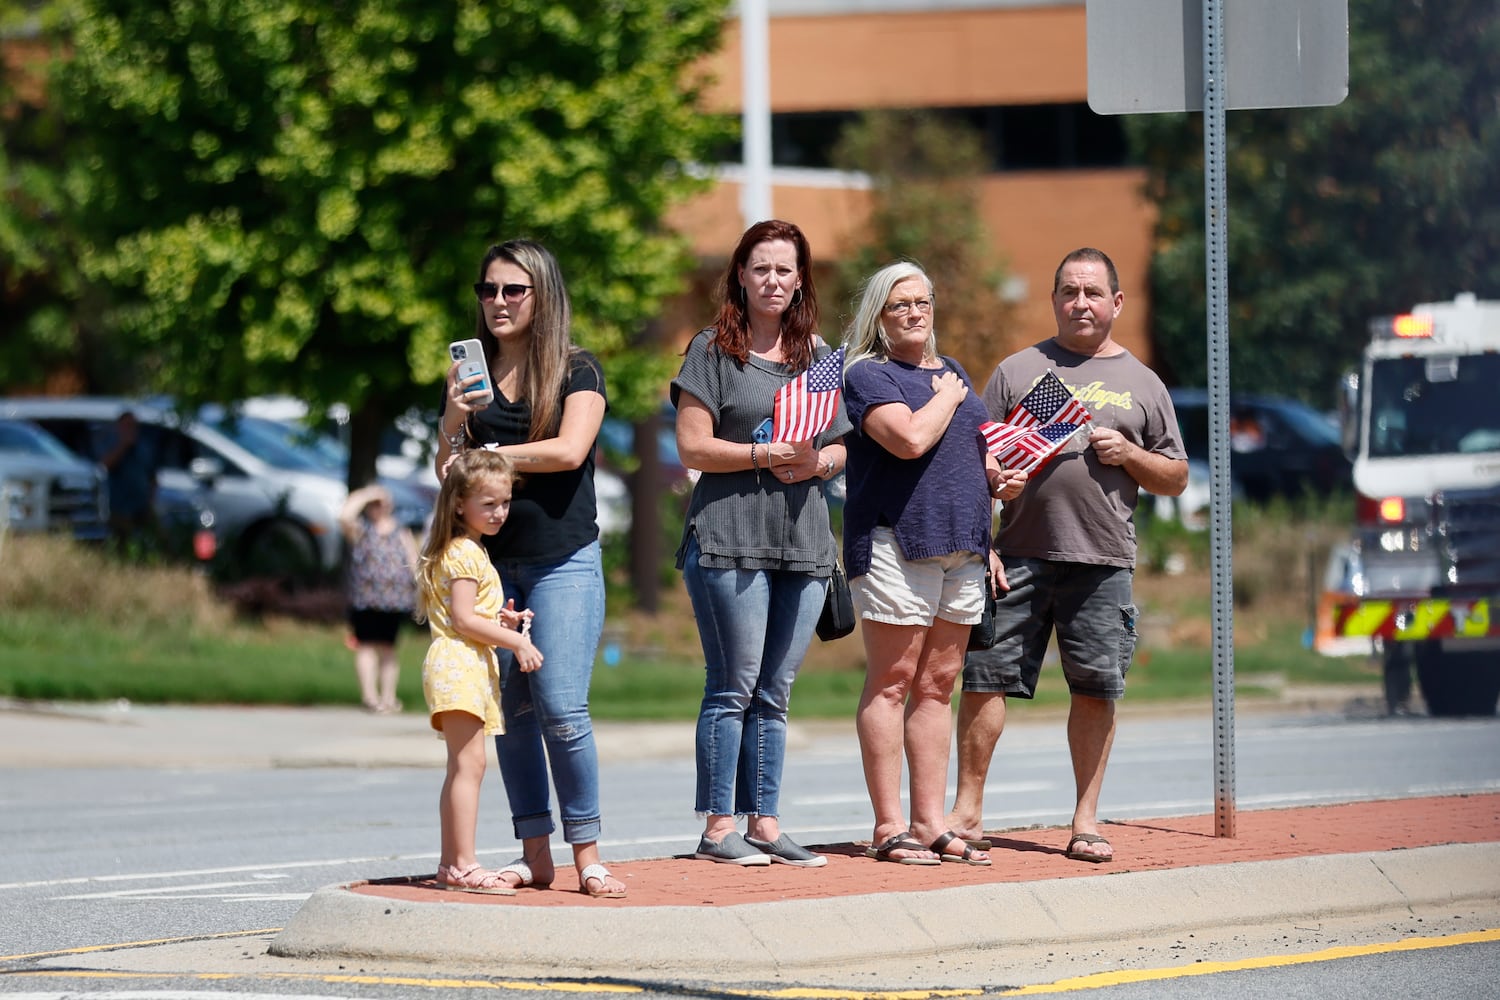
<point>982,635</point>
<point>837,619</point>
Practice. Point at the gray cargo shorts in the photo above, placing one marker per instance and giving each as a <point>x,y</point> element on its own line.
<point>1091,609</point>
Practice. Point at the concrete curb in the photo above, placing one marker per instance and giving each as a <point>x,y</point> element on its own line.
<point>757,939</point>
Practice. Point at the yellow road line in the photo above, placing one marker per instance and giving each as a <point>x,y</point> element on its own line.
<point>538,985</point>
<point>138,944</point>
<point>557,986</point>
<point>1070,985</point>
<point>336,979</point>
<point>811,993</point>
<point>1103,979</point>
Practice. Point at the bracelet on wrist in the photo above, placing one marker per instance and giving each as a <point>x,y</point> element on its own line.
<point>457,438</point>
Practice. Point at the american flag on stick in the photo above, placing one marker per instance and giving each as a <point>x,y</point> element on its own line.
<point>1037,427</point>
<point>805,406</point>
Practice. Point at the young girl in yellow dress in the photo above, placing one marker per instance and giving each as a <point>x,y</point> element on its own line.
<point>462,600</point>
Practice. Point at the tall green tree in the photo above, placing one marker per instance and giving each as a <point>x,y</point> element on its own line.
<point>293,195</point>
<point>925,172</point>
<point>46,317</point>
<point>1338,214</point>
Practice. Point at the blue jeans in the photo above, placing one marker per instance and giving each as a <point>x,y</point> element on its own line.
<point>547,712</point>
<point>755,626</point>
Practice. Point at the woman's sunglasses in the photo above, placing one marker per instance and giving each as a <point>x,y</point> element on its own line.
<point>487,290</point>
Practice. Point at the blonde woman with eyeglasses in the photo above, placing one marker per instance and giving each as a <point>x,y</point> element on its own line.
<point>545,417</point>
<point>916,537</point>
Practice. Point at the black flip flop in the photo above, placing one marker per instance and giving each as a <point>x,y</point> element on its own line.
<point>1088,838</point>
<point>899,842</point>
<point>966,857</point>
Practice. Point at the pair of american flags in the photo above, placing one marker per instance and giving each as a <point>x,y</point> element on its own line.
<point>1037,427</point>
<point>1034,431</point>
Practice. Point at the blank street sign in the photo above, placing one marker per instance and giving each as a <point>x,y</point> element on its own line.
<point>1147,55</point>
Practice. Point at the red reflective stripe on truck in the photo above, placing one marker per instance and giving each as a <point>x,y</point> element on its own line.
<point>1431,618</point>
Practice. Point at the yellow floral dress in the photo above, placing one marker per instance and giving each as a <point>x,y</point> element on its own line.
<point>459,675</point>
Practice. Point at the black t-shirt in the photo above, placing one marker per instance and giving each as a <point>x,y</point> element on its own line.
<point>552,514</point>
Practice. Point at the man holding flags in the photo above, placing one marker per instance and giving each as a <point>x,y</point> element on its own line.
<point>1065,551</point>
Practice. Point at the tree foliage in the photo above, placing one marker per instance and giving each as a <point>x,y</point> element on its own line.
<point>1338,214</point>
<point>925,174</point>
<point>47,317</point>
<point>293,195</point>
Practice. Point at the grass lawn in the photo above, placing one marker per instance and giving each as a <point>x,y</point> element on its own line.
<point>77,626</point>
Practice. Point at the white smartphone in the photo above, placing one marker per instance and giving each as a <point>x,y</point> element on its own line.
<point>470,357</point>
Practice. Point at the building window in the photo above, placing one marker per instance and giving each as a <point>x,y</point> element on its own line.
<point>1020,137</point>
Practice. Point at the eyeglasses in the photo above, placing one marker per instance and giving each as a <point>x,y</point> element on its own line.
<point>907,305</point>
<point>487,290</point>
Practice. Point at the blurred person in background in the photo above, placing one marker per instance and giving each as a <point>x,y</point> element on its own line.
<point>131,465</point>
<point>382,592</point>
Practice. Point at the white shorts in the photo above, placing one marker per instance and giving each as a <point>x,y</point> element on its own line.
<point>898,591</point>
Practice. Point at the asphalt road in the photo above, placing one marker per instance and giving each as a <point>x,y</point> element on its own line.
<point>153,824</point>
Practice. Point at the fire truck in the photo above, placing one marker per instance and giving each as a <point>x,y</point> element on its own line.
<point>1418,583</point>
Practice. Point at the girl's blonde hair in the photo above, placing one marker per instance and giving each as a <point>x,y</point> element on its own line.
<point>469,471</point>
<point>865,337</point>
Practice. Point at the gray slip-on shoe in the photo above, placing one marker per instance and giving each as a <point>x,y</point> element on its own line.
<point>785,851</point>
<point>732,850</point>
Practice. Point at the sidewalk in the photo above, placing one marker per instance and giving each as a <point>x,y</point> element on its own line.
<point>1435,858</point>
<point>1170,876</point>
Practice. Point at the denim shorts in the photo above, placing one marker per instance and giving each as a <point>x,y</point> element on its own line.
<point>901,591</point>
<point>1089,606</point>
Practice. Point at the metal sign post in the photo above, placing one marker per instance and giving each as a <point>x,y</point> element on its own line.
<point>1261,54</point>
<point>1221,531</point>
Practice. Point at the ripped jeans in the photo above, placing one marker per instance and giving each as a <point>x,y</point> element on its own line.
<point>547,722</point>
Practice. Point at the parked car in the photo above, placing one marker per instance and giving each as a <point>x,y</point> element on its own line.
<point>292,445</point>
<point>1278,447</point>
<point>46,487</point>
<point>273,518</point>
<point>189,526</point>
<point>405,449</point>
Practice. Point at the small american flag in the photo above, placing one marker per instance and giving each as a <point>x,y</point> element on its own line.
<point>1037,427</point>
<point>805,406</point>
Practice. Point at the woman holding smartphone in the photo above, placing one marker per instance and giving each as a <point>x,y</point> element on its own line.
<point>548,405</point>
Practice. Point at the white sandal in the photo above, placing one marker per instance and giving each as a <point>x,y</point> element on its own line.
<point>601,873</point>
<point>473,879</point>
<point>522,871</point>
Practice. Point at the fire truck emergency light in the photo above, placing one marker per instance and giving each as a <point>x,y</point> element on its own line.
<point>1408,326</point>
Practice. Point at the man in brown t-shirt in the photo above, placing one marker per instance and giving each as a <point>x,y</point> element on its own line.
<point>1065,552</point>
